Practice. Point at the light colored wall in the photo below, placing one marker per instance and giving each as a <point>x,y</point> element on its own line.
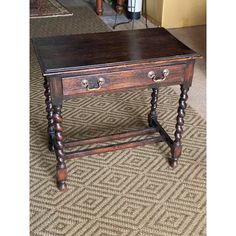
<point>181,13</point>
<point>154,11</point>
<point>177,13</point>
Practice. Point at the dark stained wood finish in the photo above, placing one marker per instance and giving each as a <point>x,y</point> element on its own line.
<point>110,137</point>
<point>56,90</point>
<point>188,76</point>
<point>162,132</point>
<point>49,110</point>
<point>152,116</point>
<point>114,147</point>
<point>59,149</point>
<point>75,52</point>
<point>130,79</point>
<point>176,148</point>
<point>89,64</point>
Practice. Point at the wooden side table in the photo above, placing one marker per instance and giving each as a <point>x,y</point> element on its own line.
<point>88,64</point>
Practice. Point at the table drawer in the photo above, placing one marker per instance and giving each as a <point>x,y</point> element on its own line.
<point>152,76</point>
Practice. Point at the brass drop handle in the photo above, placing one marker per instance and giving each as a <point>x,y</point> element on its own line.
<point>155,78</point>
<point>100,82</point>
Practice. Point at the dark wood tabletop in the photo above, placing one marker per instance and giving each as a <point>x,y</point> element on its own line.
<point>90,64</point>
<point>73,52</point>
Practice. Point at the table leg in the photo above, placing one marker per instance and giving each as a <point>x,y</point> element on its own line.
<point>152,116</point>
<point>176,147</point>
<point>59,149</point>
<point>99,7</point>
<point>120,6</point>
<point>49,110</point>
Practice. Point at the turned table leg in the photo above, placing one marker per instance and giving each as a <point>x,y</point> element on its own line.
<point>152,116</point>
<point>61,173</point>
<point>120,6</point>
<point>49,110</point>
<point>99,7</point>
<point>176,147</point>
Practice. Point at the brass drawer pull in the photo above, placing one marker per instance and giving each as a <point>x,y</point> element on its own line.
<point>100,82</point>
<point>155,78</point>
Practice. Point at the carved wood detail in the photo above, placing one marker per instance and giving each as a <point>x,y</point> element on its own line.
<point>177,145</point>
<point>59,149</point>
<point>49,110</point>
<point>152,116</point>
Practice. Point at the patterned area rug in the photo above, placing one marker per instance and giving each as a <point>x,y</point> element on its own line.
<point>47,8</point>
<point>131,192</point>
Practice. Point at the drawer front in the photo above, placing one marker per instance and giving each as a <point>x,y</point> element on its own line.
<point>147,77</point>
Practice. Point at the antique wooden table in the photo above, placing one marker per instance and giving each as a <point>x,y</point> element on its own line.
<point>88,64</point>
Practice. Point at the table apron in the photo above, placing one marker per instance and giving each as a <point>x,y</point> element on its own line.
<point>120,80</point>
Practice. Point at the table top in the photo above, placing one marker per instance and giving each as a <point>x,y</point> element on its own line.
<point>74,52</point>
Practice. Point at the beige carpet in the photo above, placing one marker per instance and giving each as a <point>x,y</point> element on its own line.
<point>129,192</point>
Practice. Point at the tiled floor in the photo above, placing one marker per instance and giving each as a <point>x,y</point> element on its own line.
<point>194,37</point>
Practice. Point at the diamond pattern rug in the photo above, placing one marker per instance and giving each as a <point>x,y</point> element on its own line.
<point>132,192</point>
<point>47,8</point>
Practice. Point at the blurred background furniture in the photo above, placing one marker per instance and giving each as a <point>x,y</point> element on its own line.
<point>119,6</point>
